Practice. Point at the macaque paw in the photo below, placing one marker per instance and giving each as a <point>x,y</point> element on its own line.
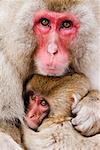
<point>7,143</point>
<point>87,120</point>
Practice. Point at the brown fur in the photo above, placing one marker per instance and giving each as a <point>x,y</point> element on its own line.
<point>11,129</point>
<point>60,5</point>
<point>56,131</point>
<point>51,87</point>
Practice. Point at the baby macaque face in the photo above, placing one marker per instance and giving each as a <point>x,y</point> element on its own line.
<point>38,109</point>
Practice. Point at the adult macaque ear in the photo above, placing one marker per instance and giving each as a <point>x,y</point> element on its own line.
<point>75,99</point>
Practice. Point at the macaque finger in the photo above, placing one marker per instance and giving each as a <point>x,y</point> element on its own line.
<point>81,117</point>
<point>85,126</point>
<point>76,109</point>
<point>78,120</point>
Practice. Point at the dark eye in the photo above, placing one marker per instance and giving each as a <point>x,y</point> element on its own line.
<point>44,21</point>
<point>67,24</point>
<point>33,97</point>
<point>43,102</point>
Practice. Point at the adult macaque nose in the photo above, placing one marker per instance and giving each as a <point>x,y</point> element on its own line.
<point>52,48</point>
<point>52,44</point>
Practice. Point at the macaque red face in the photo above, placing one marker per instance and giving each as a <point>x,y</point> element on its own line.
<point>55,32</point>
<point>37,110</point>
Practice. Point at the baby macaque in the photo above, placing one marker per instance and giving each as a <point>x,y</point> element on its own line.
<point>48,103</point>
<point>44,94</point>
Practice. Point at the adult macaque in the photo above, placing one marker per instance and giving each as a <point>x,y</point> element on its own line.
<point>58,94</point>
<point>47,37</point>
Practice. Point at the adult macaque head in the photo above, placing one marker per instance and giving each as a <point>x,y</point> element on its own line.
<point>52,36</point>
<point>55,32</point>
<point>37,108</point>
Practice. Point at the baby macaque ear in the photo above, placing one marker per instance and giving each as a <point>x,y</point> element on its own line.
<point>75,99</point>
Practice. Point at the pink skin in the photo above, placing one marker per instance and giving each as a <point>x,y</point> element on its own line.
<point>38,109</point>
<point>52,56</point>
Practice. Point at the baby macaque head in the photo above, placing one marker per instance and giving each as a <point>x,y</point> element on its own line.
<point>48,97</point>
<point>37,110</point>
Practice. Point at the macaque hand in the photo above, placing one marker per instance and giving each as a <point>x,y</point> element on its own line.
<point>7,143</point>
<point>87,111</point>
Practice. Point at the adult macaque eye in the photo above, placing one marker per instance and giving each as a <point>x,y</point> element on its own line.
<point>43,102</point>
<point>67,24</point>
<point>44,21</point>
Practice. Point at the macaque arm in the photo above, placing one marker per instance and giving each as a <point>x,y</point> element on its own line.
<point>87,119</point>
<point>85,107</point>
<point>7,143</point>
<point>12,128</point>
<point>11,105</point>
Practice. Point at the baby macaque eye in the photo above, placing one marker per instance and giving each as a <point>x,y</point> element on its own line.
<point>67,24</point>
<point>43,102</point>
<point>33,97</point>
<point>44,21</point>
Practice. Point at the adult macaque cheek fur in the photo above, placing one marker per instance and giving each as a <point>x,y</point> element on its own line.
<point>55,33</point>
